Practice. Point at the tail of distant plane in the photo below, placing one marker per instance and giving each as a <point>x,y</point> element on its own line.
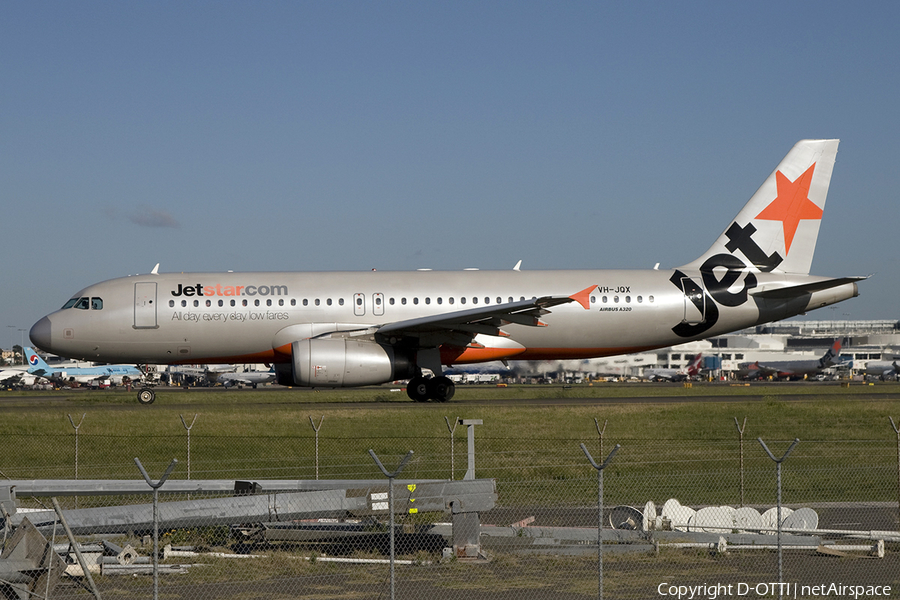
<point>693,368</point>
<point>777,229</point>
<point>36,364</point>
<point>831,357</point>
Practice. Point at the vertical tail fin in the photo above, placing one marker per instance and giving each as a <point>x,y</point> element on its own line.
<point>36,364</point>
<point>777,229</point>
<point>694,368</point>
<point>831,356</point>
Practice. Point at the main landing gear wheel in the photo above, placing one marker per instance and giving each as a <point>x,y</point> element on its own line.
<point>417,389</point>
<point>146,396</point>
<point>439,389</point>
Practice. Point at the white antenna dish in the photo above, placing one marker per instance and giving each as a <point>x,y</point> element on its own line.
<point>802,518</point>
<point>715,519</point>
<point>650,516</point>
<point>770,519</point>
<point>518,266</point>
<point>155,270</point>
<point>679,516</point>
<point>625,517</point>
<point>747,518</point>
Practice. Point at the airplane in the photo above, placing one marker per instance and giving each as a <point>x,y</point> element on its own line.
<point>346,329</point>
<point>691,370</point>
<point>62,373</point>
<point>251,378</point>
<point>883,369</point>
<point>16,375</point>
<point>793,369</point>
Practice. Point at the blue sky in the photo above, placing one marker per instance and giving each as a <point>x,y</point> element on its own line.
<point>209,136</point>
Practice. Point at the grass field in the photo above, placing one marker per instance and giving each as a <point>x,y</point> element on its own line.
<point>847,444</point>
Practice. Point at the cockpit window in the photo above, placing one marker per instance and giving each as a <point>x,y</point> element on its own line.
<point>85,303</point>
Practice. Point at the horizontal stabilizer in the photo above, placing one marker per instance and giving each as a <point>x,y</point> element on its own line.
<point>794,291</point>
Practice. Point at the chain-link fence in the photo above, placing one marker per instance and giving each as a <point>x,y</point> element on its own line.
<point>309,516</point>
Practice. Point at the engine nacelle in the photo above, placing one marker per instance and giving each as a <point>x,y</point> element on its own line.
<point>342,362</point>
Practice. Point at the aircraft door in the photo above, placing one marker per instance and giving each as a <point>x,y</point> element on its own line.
<point>359,305</point>
<point>145,305</point>
<point>694,301</point>
<point>378,304</point>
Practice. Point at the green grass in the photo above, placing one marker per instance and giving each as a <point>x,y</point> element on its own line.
<point>689,450</point>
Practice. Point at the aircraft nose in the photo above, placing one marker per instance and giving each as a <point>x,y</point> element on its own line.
<point>40,334</point>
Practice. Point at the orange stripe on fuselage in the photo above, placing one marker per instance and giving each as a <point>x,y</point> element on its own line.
<point>450,355</point>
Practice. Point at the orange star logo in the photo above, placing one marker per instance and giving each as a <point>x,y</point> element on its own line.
<point>791,204</point>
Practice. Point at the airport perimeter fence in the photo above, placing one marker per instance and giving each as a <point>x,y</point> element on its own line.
<point>536,526</point>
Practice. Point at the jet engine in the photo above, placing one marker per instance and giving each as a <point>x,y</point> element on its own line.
<point>343,362</point>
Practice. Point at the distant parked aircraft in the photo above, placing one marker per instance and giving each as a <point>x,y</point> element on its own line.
<point>792,369</point>
<point>111,373</point>
<point>691,370</point>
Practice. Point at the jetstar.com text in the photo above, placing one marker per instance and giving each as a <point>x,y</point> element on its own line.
<point>230,290</point>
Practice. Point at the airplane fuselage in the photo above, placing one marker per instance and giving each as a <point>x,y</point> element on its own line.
<point>254,317</point>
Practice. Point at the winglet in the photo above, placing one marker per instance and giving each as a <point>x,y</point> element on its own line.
<point>584,297</point>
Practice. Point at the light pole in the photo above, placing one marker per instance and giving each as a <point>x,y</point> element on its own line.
<point>13,341</point>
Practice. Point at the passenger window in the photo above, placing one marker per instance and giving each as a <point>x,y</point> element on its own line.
<point>341,301</point>
<point>650,298</point>
<point>403,301</point>
<point>208,303</point>
<point>440,300</point>
<point>318,302</point>
<point>221,303</point>
<point>256,303</point>
<point>305,302</point>
<point>244,302</point>
<point>415,300</point>
<point>628,299</point>
<point>293,302</point>
<point>280,302</point>
<point>196,303</point>
<point>184,304</point>
<point>269,302</point>
<point>461,300</point>
<point>593,299</point>
<point>328,302</point>
<point>427,300</point>
<point>232,302</point>
<point>615,299</point>
<point>171,304</point>
<point>96,303</point>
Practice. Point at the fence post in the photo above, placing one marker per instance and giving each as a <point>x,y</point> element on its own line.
<point>316,429</point>
<point>741,429</point>
<point>451,429</point>
<point>778,462</point>
<point>72,421</point>
<point>188,442</point>
<point>155,487</point>
<point>897,431</point>
<point>600,432</point>
<point>599,469</point>
<point>390,477</point>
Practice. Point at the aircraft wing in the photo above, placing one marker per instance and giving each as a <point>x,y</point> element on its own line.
<point>485,320</point>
